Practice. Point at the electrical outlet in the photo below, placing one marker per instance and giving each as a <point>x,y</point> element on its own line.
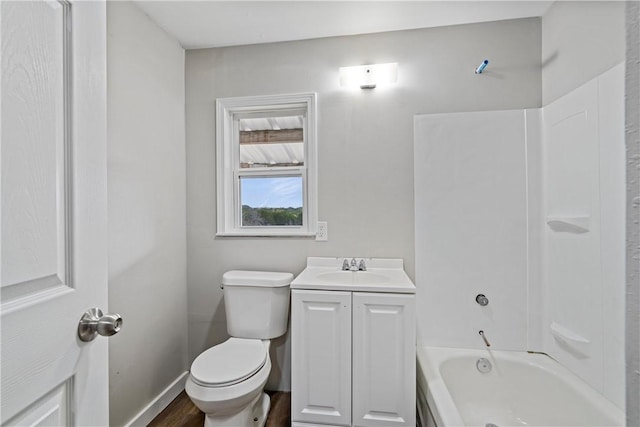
<point>322,233</point>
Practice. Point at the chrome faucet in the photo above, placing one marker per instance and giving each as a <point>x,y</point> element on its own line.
<point>353,265</point>
<point>484,338</point>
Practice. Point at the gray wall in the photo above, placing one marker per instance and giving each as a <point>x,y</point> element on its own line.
<point>147,214</point>
<point>580,41</point>
<point>365,143</point>
<point>633,229</point>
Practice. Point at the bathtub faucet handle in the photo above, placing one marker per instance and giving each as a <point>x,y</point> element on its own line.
<point>482,300</point>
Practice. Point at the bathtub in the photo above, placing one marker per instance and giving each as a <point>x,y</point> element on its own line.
<point>520,389</point>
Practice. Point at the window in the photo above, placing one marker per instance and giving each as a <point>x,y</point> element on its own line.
<point>266,165</point>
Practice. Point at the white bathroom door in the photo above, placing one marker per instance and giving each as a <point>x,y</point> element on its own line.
<point>53,211</point>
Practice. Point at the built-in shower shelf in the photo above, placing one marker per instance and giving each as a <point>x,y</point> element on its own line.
<point>570,337</point>
<point>569,224</point>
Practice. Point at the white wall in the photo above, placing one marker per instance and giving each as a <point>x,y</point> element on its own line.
<point>471,227</point>
<point>580,42</point>
<point>365,143</point>
<point>583,280</point>
<point>147,214</point>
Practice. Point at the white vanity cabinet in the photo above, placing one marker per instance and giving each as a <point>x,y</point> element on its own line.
<point>353,358</point>
<point>321,357</point>
<point>384,360</point>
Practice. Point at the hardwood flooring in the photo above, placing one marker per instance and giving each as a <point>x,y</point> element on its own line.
<point>183,413</point>
<point>180,413</point>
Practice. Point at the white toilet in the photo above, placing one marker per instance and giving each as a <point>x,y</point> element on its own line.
<point>227,381</point>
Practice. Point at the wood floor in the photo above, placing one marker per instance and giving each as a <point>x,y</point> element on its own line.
<point>183,413</point>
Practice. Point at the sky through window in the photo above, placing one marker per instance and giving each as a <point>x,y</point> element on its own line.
<point>271,192</point>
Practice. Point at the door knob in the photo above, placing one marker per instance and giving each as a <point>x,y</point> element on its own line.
<point>93,323</point>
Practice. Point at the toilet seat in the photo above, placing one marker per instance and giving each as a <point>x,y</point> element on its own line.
<point>229,363</point>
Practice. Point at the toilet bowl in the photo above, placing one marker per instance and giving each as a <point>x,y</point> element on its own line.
<point>226,381</point>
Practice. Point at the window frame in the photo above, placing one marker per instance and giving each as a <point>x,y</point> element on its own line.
<point>228,171</point>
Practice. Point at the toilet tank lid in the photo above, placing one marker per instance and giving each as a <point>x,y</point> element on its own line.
<point>256,278</point>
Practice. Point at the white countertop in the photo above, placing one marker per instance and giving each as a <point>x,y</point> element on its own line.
<point>382,275</point>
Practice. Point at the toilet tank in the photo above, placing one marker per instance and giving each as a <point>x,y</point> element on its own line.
<point>256,303</point>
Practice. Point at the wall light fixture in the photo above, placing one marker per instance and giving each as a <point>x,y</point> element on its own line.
<point>369,76</point>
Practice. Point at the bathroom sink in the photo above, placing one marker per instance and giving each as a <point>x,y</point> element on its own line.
<point>382,275</point>
<point>335,276</point>
<point>353,276</point>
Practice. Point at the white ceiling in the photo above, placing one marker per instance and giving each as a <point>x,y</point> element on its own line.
<point>200,24</point>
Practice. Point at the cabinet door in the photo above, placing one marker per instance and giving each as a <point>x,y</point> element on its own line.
<point>321,357</point>
<point>384,360</point>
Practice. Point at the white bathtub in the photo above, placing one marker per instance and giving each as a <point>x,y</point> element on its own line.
<point>521,389</point>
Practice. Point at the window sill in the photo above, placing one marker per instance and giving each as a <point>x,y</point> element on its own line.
<point>266,234</point>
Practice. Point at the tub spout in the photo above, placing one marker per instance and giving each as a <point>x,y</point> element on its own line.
<point>484,338</point>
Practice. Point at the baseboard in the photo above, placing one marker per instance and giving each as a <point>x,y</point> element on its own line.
<point>161,401</point>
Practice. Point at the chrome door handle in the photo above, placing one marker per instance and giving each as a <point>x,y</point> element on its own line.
<point>93,323</point>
